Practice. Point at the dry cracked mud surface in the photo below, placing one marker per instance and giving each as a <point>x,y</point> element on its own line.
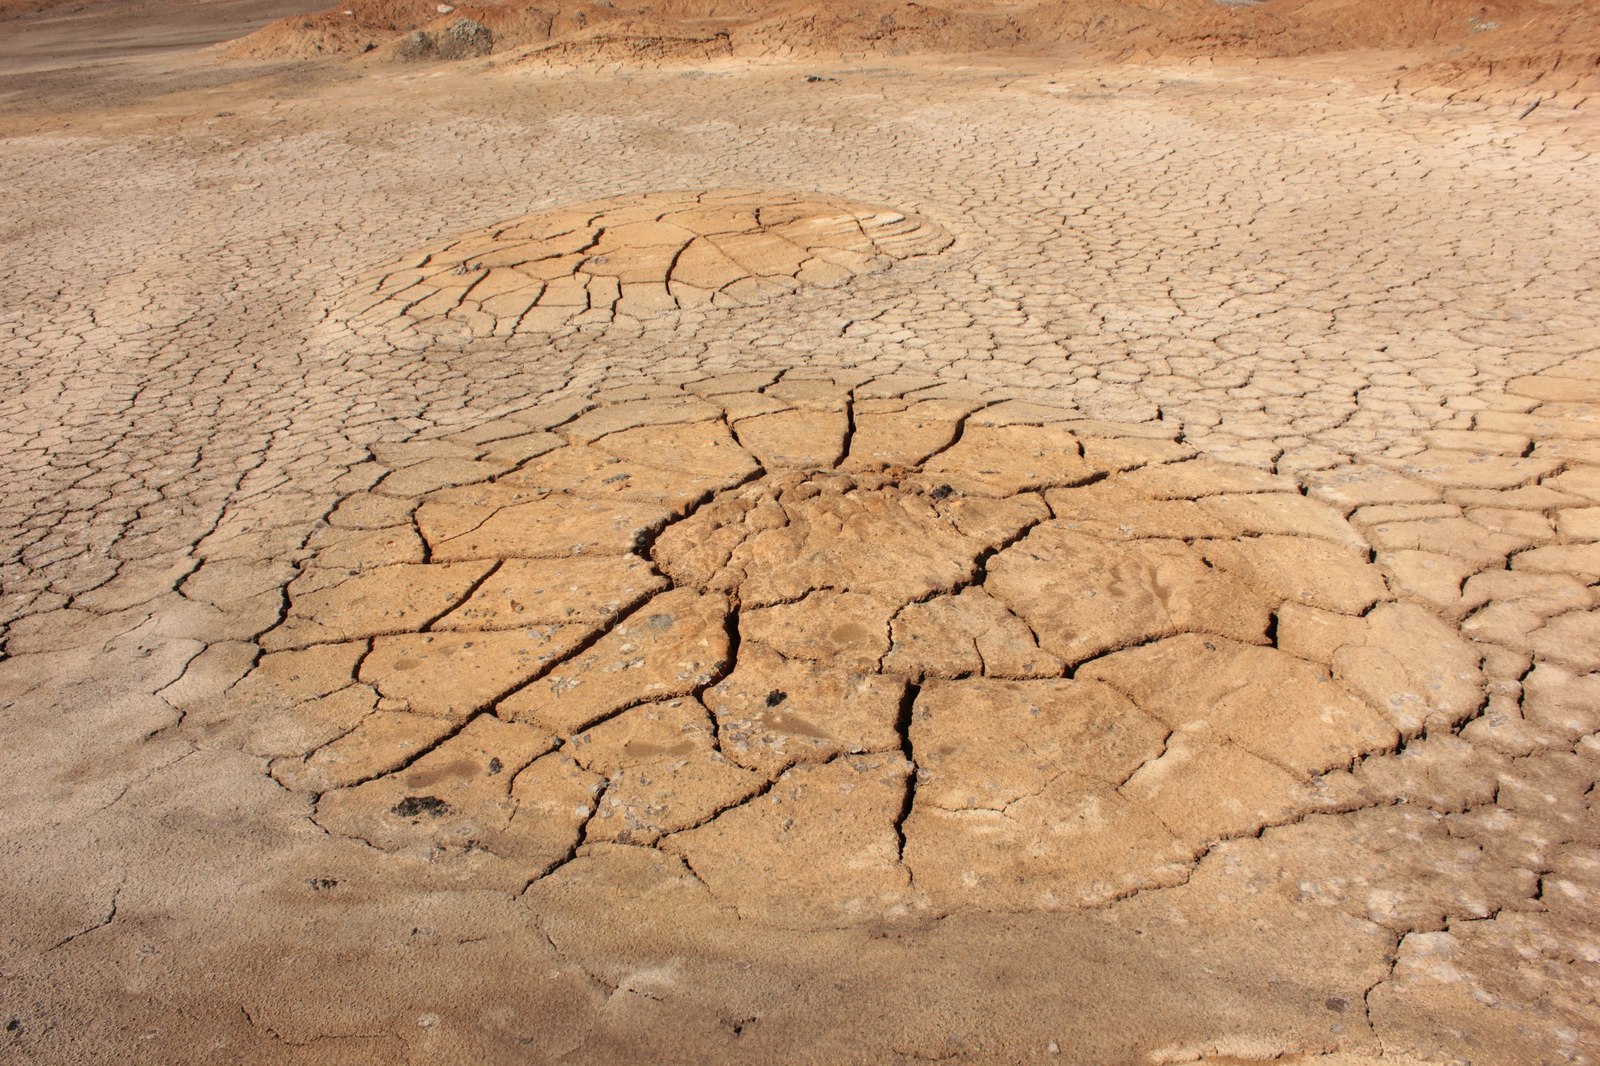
<point>841,660</point>
<point>632,258</point>
<point>1023,560</point>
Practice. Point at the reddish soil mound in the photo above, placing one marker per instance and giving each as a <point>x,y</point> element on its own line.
<point>368,25</point>
<point>1469,44</point>
<point>1291,27</point>
<point>1548,55</point>
<point>10,9</point>
<point>883,28</point>
<point>15,9</point>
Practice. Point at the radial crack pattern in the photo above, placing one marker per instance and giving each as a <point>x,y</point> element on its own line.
<point>911,655</point>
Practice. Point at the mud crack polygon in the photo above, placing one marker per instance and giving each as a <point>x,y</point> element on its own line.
<point>632,257</point>
<point>845,658</point>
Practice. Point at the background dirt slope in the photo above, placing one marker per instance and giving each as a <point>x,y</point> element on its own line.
<point>1464,43</point>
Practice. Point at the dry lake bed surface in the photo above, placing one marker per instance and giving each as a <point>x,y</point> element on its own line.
<point>1039,533</point>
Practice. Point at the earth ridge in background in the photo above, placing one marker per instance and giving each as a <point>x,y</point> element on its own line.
<point>709,531</point>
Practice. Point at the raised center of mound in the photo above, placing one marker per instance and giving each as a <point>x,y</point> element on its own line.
<point>842,659</point>
<point>632,257</point>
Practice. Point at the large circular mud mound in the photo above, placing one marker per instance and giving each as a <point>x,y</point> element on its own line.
<point>632,257</point>
<point>844,658</point>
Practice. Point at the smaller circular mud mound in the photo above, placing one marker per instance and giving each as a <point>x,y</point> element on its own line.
<point>634,258</point>
<point>845,658</point>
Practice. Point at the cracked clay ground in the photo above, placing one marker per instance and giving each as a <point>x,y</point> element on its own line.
<point>996,562</point>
